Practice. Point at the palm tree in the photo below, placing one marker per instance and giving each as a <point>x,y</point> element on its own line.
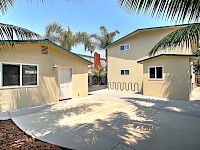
<point>56,34</point>
<point>53,32</point>
<point>105,38</point>
<point>87,40</point>
<point>174,10</point>
<point>69,39</point>
<point>8,31</point>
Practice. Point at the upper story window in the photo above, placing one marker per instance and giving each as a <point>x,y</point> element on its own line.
<point>156,72</point>
<point>18,75</point>
<point>125,47</point>
<point>125,72</point>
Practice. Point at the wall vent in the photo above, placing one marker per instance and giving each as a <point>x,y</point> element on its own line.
<point>44,50</point>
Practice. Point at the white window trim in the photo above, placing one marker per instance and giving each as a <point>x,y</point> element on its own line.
<point>124,47</point>
<point>124,72</point>
<point>155,73</point>
<point>16,86</point>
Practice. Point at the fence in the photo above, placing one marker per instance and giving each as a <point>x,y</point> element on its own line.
<point>123,86</point>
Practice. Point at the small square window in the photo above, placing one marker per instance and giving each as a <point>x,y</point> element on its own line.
<point>156,72</point>
<point>125,47</point>
<point>124,72</point>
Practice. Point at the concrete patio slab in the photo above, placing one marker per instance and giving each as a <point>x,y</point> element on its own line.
<point>185,107</point>
<point>178,121</point>
<point>4,116</point>
<point>121,146</point>
<point>80,137</point>
<point>163,138</point>
<point>114,120</point>
<point>29,110</point>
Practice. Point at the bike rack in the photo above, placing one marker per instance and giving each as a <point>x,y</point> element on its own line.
<point>114,85</point>
<point>123,86</point>
<point>118,84</point>
<point>136,84</point>
<point>130,85</point>
<point>109,85</point>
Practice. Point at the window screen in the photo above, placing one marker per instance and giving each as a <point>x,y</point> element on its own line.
<point>126,72</point>
<point>122,47</point>
<point>29,75</point>
<point>122,72</point>
<point>152,73</point>
<point>159,72</point>
<point>11,75</point>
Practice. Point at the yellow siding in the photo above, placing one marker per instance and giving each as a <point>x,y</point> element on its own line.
<point>47,91</point>
<point>176,83</point>
<point>140,43</point>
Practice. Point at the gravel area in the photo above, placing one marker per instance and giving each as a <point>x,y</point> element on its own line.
<point>11,137</point>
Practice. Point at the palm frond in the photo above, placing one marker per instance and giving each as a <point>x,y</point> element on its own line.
<point>178,10</point>
<point>187,35</point>
<point>86,40</point>
<point>104,38</point>
<point>103,30</point>
<point>53,32</point>
<point>5,5</point>
<point>9,32</point>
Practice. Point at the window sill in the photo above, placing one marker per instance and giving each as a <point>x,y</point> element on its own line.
<point>155,79</point>
<point>125,50</point>
<point>18,87</point>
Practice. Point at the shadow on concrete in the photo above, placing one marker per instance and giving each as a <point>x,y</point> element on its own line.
<point>135,128</point>
<point>96,87</point>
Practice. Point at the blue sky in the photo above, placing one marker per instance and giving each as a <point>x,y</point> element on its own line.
<point>87,15</point>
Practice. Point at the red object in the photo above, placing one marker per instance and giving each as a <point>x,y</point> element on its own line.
<point>97,62</point>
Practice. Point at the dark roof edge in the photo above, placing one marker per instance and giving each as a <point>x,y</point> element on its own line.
<point>144,29</point>
<point>140,61</point>
<point>48,42</point>
<point>89,56</point>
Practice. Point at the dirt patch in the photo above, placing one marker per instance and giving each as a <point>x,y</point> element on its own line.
<point>11,137</point>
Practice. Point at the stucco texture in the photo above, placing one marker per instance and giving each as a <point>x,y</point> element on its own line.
<point>47,91</point>
<point>140,45</point>
<point>176,83</point>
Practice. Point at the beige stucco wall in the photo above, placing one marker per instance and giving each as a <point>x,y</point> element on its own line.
<point>47,91</point>
<point>176,83</point>
<point>140,44</point>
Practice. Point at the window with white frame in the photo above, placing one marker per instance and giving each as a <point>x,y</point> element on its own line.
<point>156,72</point>
<point>15,74</point>
<point>125,47</point>
<point>125,72</point>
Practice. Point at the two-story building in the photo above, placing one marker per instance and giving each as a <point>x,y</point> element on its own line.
<point>168,74</point>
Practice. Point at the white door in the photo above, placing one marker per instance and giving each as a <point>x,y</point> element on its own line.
<point>64,81</point>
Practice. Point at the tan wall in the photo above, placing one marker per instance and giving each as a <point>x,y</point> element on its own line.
<point>141,43</point>
<point>47,91</point>
<point>176,83</point>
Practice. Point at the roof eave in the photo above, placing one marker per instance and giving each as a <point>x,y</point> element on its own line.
<point>161,55</point>
<point>145,29</point>
<point>50,43</point>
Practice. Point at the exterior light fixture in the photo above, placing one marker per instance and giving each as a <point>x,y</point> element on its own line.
<point>55,66</point>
